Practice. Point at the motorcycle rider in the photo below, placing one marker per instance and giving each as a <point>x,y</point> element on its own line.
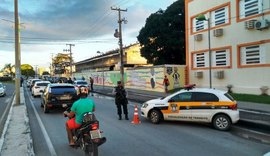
<point>78,109</point>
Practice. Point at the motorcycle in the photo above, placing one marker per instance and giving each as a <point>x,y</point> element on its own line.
<point>88,136</point>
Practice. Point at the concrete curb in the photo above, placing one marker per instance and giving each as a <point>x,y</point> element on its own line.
<point>17,133</point>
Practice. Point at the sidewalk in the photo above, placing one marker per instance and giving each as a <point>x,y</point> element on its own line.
<point>16,138</point>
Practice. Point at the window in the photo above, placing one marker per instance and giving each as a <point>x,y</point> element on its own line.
<point>252,55</point>
<point>204,97</point>
<point>219,16</point>
<point>221,58</point>
<point>199,60</point>
<point>199,25</point>
<point>250,7</point>
<point>182,97</point>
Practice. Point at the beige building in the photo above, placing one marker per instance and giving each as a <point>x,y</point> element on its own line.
<point>240,44</point>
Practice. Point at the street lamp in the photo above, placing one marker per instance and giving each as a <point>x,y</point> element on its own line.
<point>202,17</point>
<point>102,68</point>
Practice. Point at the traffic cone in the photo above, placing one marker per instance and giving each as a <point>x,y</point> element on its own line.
<point>136,119</point>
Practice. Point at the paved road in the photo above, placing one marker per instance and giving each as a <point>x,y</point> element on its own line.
<point>4,103</point>
<point>123,138</point>
<point>6,99</point>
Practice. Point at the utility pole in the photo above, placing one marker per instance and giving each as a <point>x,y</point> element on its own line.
<point>119,34</point>
<point>70,54</point>
<point>52,65</point>
<point>17,54</point>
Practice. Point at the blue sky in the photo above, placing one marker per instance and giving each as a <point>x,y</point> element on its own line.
<point>48,25</point>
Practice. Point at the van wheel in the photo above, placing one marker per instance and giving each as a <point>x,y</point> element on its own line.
<point>155,116</point>
<point>222,122</point>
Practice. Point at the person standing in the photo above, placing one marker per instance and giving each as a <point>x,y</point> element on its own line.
<point>91,83</point>
<point>166,83</point>
<point>121,100</point>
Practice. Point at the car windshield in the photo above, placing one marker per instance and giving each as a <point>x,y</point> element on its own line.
<point>82,83</point>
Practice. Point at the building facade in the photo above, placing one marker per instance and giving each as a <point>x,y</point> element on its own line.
<point>110,60</point>
<point>238,56</point>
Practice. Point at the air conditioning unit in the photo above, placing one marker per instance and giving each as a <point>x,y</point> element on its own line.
<point>218,32</point>
<point>219,74</point>
<point>262,24</point>
<point>198,37</point>
<point>198,74</point>
<point>250,24</point>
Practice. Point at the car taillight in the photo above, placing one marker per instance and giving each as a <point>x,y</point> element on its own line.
<point>233,107</point>
<point>94,126</point>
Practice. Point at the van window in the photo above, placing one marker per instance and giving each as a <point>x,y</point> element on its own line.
<point>204,97</point>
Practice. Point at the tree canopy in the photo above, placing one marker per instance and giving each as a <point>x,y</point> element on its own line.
<point>163,36</point>
<point>27,70</point>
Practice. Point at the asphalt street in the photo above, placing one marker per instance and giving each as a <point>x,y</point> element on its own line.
<point>124,138</point>
<point>4,103</point>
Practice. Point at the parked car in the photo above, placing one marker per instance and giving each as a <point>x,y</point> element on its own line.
<point>38,87</point>
<point>196,105</point>
<point>2,89</point>
<point>28,82</point>
<point>60,95</point>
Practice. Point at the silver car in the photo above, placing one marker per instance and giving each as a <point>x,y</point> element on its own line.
<point>2,90</point>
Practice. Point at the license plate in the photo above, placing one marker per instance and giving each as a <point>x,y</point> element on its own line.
<point>64,105</point>
<point>65,97</point>
<point>95,134</point>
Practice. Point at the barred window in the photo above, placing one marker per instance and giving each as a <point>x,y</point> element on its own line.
<point>199,60</point>
<point>220,16</point>
<point>221,58</point>
<point>250,7</point>
<point>199,25</point>
<point>252,55</point>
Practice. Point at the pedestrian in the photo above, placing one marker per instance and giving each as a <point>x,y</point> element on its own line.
<point>74,78</point>
<point>166,83</point>
<point>91,83</point>
<point>21,81</point>
<point>69,80</point>
<point>121,100</point>
<point>83,78</point>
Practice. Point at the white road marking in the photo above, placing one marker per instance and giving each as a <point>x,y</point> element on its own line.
<point>45,134</point>
<point>6,125</point>
<point>7,100</point>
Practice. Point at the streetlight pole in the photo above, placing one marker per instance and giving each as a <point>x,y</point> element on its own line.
<point>210,53</point>
<point>202,18</point>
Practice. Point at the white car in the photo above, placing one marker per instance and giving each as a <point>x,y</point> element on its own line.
<point>38,87</point>
<point>2,90</point>
<point>195,105</point>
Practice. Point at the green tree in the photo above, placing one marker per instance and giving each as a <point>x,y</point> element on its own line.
<point>8,69</point>
<point>163,36</point>
<point>45,73</point>
<point>27,70</point>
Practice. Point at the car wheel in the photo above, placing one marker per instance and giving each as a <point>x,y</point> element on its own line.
<point>45,109</point>
<point>222,122</point>
<point>155,116</point>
